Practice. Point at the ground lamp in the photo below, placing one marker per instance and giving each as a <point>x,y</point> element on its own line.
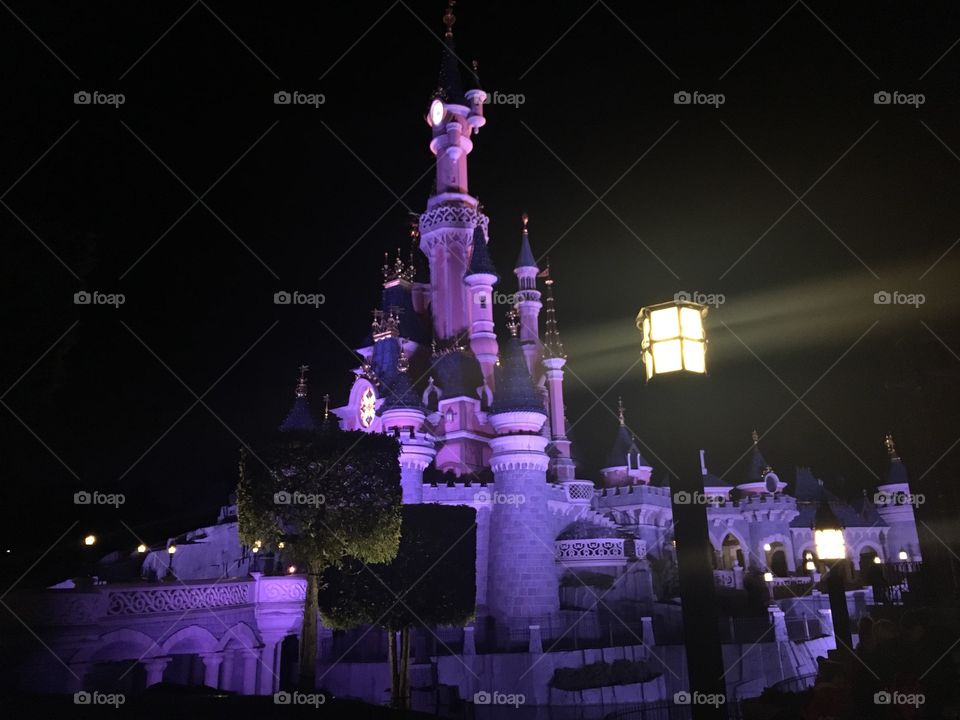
<point>832,551</point>
<point>674,345</point>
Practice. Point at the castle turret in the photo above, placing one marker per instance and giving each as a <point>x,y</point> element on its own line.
<point>480,277</point>
<point>528,300</point>
<point>522,569</point>
<point>625,465</point>
<point>300,419</point>
<point>447,227</point>
<point>760,476</point>
<point>403,415</point>
<point>554,358</point>
<point>895,504</point>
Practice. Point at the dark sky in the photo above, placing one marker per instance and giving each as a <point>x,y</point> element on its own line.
<point>106,199</point>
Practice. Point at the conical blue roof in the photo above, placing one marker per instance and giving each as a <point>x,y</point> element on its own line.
<point>450,84</point>
<point>525,258</point>
<point>480,261</point>
<point>515,388</point>
<point>624,444</point>
<point>299,419</point>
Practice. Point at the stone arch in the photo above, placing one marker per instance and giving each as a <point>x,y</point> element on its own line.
<point>866,547</point>
<point>126,644</point>
<point>188,640</point>
<point>240,635</point>
<point>786,563</point>
<point>728,551</point>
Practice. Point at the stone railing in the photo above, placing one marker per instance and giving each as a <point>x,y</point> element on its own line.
<point>728,579</point>
<point>177,598</point>
<point>794,580</point>
<point>594,551</point>
<point>578,492</point>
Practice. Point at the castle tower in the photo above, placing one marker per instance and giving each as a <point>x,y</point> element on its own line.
<point>480,278</point>
<point>895,504</point>
<point>554,358</point>
<point>447,226</point>
<point>300,419</point>
<point>528,300</point>
<point>625,465</point>
<point>403,415</point>
<point>522,580</point>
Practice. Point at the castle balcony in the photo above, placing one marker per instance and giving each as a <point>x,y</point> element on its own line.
<point>594,552</point>
<point>578,492</point>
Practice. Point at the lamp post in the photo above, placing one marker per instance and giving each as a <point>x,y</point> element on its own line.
<point>832,551</point>
<point>674,344</point>
<point>171,549</point>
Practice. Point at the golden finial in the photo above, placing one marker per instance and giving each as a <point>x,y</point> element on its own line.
<point>449,18</point>
<point>512,324</point>
<point>403,362</point>
<point>302,382</point>
<point>326,406</point>
<point>526,220</point>
<point>620,410</point>
<point>891,448</point>
<point>756,438</point>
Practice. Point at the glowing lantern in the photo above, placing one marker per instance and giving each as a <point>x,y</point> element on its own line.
<point>673,338</point>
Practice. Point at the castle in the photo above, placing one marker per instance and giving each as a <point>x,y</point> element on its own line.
<point>479,413</point>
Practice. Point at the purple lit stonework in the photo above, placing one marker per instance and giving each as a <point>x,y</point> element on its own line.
<point>567,573</point>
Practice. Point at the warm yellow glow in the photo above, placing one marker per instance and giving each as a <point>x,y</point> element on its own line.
<point>667,356</point>
<point>877,560</point>
<point>768,577</point>
<point>830,544</point>
<point>141,548</point>
<point>292,569</point>
<point>903,555</point>
<point>90,540</point>
<point>281,545</point>
<point>255,549</point>
<point>691,323</point>
<point>694,356</point>
<point>810,566</point>
<point>172,549</point>
<point>808,556</point>
<point>664,324</point>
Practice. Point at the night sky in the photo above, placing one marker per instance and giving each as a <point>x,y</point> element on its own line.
<point>199,198</point>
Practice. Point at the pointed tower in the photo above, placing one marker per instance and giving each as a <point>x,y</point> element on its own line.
<point>522,580</point>
<point>625,465</point>
<point>480,277</point>
<point>554,358</point>
<point>402,415</point>
<point>760,476</point>
<point>300,419</point>
<point>447,227</point>
<point>895,504</point>
<point>528,300</point>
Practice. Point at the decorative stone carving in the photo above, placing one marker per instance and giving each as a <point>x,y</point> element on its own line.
<point>177,599</point>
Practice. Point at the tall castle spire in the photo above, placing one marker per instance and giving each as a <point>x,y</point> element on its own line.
<point>552,344</point>
<point>300,419</point>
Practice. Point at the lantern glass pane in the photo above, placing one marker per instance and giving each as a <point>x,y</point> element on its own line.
<point>694,359</point>
<point>691,323</point>
<point>648,363</point>
<point>664,324</point>
<point>646,330</point>
<point>830,545</point>
<point>667,356</point>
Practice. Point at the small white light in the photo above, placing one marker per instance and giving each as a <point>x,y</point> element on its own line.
<point>255,549</point>
<point>903,555</point>
<point>141,548</point>
<point>171,549</point>
<point>810,566</point>
<point>90,540</point>
<point>768,577</point>
<point>767,547</point>
<point>877,560</point>
<point>292,569</point>
<point>281,545</point>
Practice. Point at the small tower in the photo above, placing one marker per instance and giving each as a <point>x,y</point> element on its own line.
<point>895,504</point>
<point>554,358</point>
<point>403,415</point>
<point>480,277</point>
<point>625,465</point>
<point>300,419</point>
<point>528,300</point>
<point>522,580</point>
<point>760,477</point>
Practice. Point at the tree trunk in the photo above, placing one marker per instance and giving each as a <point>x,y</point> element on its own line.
<point>405,668</point>
<point>308,634</point>
<point>394,667</point>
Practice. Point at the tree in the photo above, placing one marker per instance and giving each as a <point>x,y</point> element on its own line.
<point>431,582</point>
<point>327,497</point>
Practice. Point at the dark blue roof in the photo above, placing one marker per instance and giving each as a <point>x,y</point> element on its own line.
<point>480,261</point>
<point>450,84</point>
<point>398,392</point>
<point>299,419</point>
<point>623,445</point>
<point>457,373</point>
<point>525,258</point>
<point>515,388</point>
<point>809,492</point>
<point>897,472</point>
<point>757,465</point>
